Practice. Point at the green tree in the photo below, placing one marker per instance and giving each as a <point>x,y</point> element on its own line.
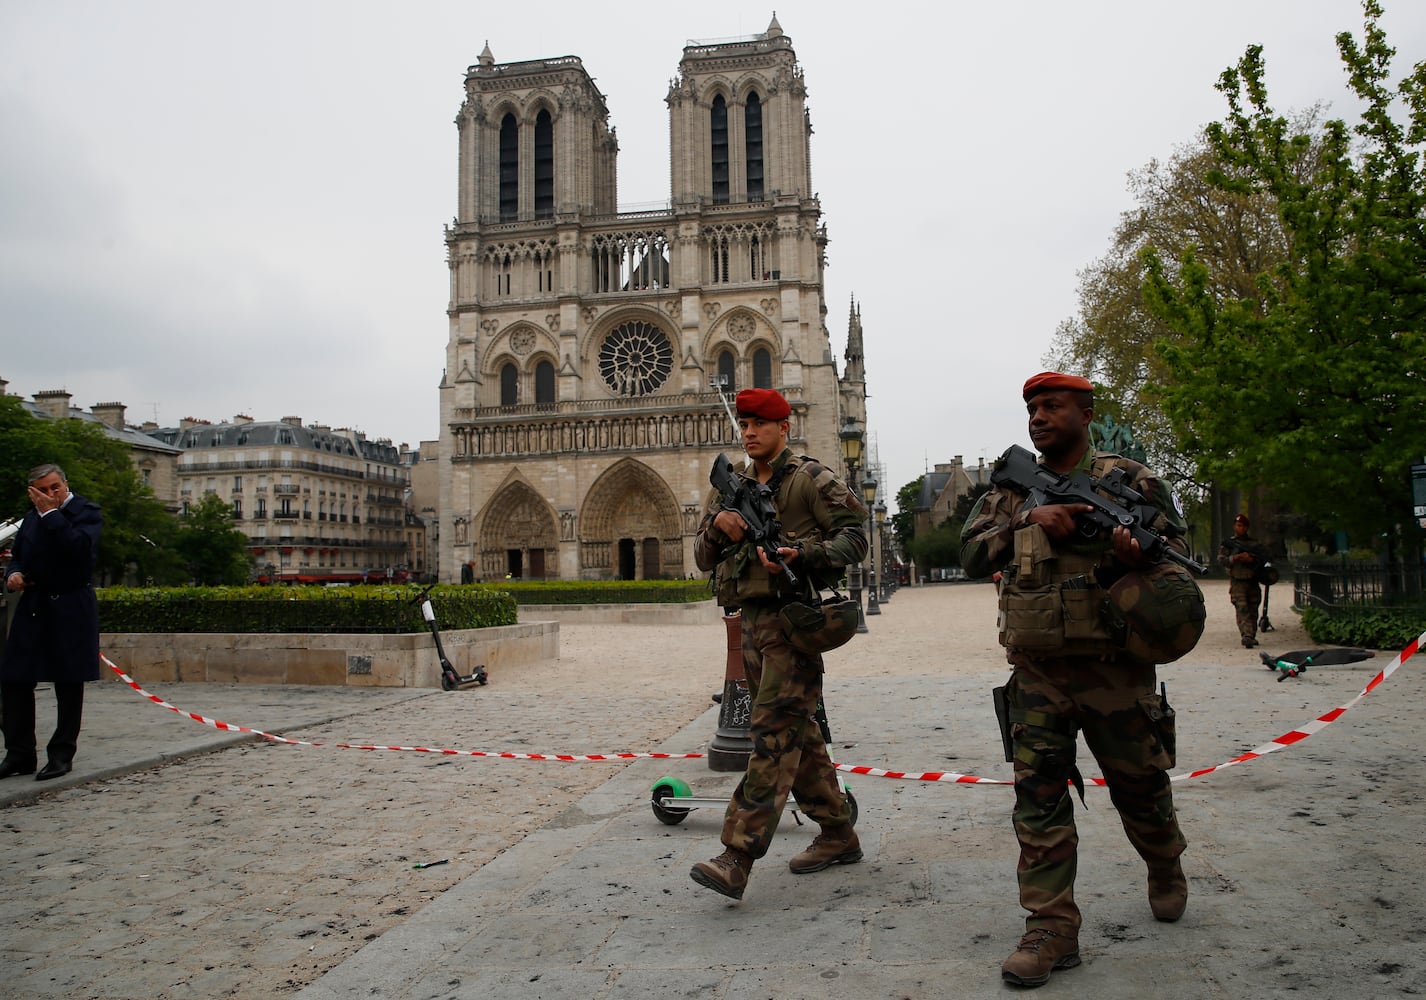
<point>1178,210</point>
<point>215,552</point>
<point>938,548</point>
<point>1312,382</point>
<point>25,442</point>
<point>137,533</point>
<point>903,522</point>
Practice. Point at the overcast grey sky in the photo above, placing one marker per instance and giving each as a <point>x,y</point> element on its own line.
<point>208,209</point>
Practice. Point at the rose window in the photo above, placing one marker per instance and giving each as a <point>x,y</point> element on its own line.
<point>636,359</point>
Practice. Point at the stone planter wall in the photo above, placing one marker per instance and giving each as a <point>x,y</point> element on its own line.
<point>358,660</point>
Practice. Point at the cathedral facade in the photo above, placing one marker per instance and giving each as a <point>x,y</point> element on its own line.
<point>578,416</point>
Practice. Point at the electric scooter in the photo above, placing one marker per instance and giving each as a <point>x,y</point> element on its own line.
<point>672,799</point>
<point>450,680</point>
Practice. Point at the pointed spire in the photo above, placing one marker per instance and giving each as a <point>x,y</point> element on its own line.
<point>486,57</point>
<point>774,30</point>
<point>853,353</point>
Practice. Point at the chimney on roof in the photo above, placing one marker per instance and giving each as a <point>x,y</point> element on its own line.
<point>111,414</point>
<point>3,384</point>
<point>53,403</point>
<point>242,418</point>
<point>294,421</point>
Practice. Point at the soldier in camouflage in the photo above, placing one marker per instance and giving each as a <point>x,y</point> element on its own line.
<point>822,526</point>
<point>1069,675</point>
<point>1243,558</point>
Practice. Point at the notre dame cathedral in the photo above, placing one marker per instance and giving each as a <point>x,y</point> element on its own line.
<point>578,422</point>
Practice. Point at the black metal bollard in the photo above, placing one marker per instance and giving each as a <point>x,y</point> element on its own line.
<point>731,744</point>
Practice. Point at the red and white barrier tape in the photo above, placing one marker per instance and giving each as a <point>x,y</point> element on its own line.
<point>1272,746</point>
<point>1286,740</point>
<point>230,728</point>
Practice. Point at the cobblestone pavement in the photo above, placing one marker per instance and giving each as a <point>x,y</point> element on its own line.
<point>266,870</point>
<point>249,872</point>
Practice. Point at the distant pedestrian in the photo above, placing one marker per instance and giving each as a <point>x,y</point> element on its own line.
<point>55,633</point>
<point>1244,559</point>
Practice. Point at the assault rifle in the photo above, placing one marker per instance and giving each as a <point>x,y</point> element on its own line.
<point>753,502</point>
<point>1018,468</point>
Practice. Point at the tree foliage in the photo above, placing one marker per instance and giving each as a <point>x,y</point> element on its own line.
<point>138,532</point>
<point>1179,210</point>
<point>903,522</point>
<point>1310,381</point>
<point>214,551</point>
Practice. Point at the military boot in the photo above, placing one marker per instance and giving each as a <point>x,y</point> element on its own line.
<point>1041,952</point>
<point>836,845</point>
<point>1168,891</point>
<point>727,873</point>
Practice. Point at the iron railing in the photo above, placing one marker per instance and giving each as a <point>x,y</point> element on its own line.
<point>1335,586</point>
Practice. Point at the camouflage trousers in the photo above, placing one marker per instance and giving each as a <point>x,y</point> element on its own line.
<point>1246,595</point>
<point>1129,729</point>
<point>789,754</point>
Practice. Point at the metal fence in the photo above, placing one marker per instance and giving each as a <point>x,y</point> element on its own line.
<point>1342,585</point>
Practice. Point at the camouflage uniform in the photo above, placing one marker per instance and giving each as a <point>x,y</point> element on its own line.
<point>1077,680</point>
<point>1243,588</point>
<point>824,519</point>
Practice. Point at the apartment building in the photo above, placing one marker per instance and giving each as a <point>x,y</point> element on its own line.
<point>317,504</point>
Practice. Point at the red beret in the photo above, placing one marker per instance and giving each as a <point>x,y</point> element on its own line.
<point>1045,381</point>
<point>765,403</point>
<point>1241,518</point>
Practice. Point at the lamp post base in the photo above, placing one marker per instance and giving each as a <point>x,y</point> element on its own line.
<point>732,743</point>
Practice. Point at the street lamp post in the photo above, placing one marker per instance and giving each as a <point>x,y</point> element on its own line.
<point>869,484</point>
<point>883,562</point>
<point>851,441</point>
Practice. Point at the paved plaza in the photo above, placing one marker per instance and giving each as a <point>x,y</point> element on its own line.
<point>179,860</point>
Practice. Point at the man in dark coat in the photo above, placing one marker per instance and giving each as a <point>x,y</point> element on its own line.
<point>55,633</point>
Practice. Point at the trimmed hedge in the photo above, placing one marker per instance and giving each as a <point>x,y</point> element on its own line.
<point>1366,627</point>
<point>603,591</point>
<point>380,609</point>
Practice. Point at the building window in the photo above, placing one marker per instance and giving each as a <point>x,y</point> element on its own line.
<point>509,169</point>
<point>544,270</point>
<point>753,116</point>
<point>545,383</point>
<point>544,166</point>
<point>635,359</point>
<point>719,247</point>
<point>762,369</point>
<point>720,151</point>
<point>509,385</point>
<point>238,510</point>
<point>727,368</point>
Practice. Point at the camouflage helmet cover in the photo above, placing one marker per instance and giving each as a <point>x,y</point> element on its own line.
<point>1158,612</point>
<point>817,628</point>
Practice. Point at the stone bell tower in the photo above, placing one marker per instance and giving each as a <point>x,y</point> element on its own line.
<point>577,420</point>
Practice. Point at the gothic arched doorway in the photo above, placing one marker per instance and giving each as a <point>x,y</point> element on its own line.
<point>630,526</point>
<point>519,535</point>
